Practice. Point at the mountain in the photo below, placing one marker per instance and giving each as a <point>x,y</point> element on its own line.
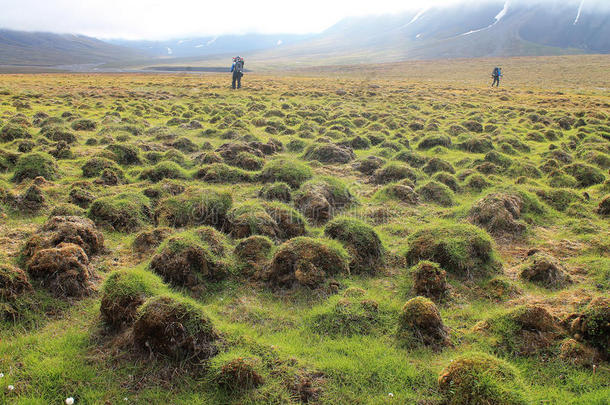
<point>211,45</point>
<point>468,29</point>
<point>21,48</point>
<point>484,28</point>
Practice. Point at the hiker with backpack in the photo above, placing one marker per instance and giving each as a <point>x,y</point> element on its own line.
<point>238,71</point>
<point>496,74</point>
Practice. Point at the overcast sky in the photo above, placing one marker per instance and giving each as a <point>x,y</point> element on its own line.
<point>158,19</point>
<point>155,19</point>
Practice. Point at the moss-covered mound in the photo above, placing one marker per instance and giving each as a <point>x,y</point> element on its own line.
<point>437,193</point>
<point>397,191</point>
<point>174,327</point>
<point>429,280</point>
<point>148,240</point>
<point>95,166</point>
<point>251,219</point>
<point>32,165</point>
<point>289,171</point>
<point>124,154</point>
<point>393,172</point>
<point>585,174</point>
<point>124,212</point>
<point>320,199</point>
<point>194,207</point>
<point>222,173</point>
<point>361,241</point>
<point>290,222</point>
<point>307,262</point>
<point>528,330</point>
<point>603,208</point>
<point>544,270</point>
<point>239,374</point>
<point>420,323</point>
<point>14,282</point>
<point>123,292</point>
<point>163,170</point>
<point>578,354</point>
<point>65,229</point>
<point>278,191</point>
<point>253,253</point>
<point>479,378</point>
<point>186,260</point>
<point>460,249</point>
<point>499,214</point>
<point>64,270</point>
<point>10,132</point>
<point>329,153</point>
<point>593,325</point>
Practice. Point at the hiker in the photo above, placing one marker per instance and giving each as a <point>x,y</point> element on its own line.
<point>238,71</point>
<point>497,73</point>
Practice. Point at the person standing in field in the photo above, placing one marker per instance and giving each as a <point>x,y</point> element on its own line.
<point>496,74</point>
<point>238,71</point>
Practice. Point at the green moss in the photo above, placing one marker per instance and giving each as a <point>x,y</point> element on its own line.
<point>279,191</point>
<point>308,261</point>
<point>461,249</point>
<point>163,170</point>
<point>585,175</point>
<point>96,165</point>
<point>479,378</point>
<point>361,241</point>
<point>292,172</point>
<point>186,259</point>
<point>84,124</point>
<point>223,173</point>
<point>437,193</point>
<point>124,212</point>
<point>392,172</point>
<point>32,165</point>
<point>235,373</point>
<point>155,329</point>
<point>125,154</point>
<point>194,207</point>
<point>431,141</point>
<point>124,291</point>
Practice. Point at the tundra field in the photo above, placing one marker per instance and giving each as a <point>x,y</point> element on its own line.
<point>398,234</point>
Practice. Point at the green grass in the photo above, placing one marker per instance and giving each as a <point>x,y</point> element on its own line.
<point>341,337</point>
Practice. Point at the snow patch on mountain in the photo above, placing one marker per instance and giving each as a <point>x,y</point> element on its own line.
<point>418,15</point>
<point>503,12</point>
<point>497,19</point>
<point>582,3</point>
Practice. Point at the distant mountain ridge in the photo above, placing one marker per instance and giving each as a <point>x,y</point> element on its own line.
<point>483,28</point>
<point>47,49</point>
<point>211,45</point>
<point>464,30</point>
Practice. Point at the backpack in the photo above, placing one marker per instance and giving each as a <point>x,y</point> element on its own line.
<point>239,66</point>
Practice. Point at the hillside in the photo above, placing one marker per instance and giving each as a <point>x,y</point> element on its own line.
<point>468,29</point>
<point>47,49</point>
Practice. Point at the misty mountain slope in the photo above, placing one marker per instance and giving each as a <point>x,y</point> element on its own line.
<point>210,45</point>
<point>464,30</point>
<point>46,49</point>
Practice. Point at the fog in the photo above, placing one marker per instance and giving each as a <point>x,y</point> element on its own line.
<point>156,19</point>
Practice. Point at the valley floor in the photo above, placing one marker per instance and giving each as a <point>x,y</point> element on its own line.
<point>503,193</point>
